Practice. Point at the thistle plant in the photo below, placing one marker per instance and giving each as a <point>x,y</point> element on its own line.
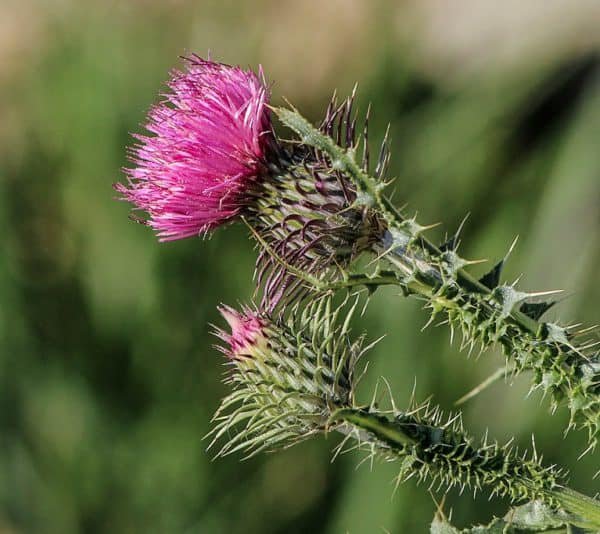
<point>315,205</point>
<point>315,209</point>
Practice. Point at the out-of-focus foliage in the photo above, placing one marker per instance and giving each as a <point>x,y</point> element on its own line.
<point>107,375</point>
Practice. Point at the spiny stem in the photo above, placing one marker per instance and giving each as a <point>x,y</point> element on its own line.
<point>404,438</point>
<point>486,313</point>
<point>464,278</point>
<point>372,190</point>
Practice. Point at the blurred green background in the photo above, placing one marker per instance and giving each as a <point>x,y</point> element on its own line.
<point>108,377</point>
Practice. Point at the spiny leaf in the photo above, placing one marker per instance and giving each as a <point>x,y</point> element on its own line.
<point>492,278</point>
<point>531,517</point>
<point>535,310</point>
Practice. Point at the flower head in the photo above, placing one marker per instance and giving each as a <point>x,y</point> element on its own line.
<point>207,148</point>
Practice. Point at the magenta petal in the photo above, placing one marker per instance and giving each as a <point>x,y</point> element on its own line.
<point>205,148</point>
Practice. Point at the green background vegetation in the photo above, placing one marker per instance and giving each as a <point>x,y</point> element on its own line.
<point>108,378</point>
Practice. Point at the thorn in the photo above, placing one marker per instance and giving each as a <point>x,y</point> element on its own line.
<point>453,243</point>
<point>494,377</point>
<point>492,278</point>
<point>544,293</point>
<point>474,262</point>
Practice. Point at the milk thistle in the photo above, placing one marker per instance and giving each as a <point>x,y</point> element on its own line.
<point>314,208</point>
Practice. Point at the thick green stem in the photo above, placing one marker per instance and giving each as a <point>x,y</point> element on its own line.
<point>465,280</point>
<point>379,426</point>
<point>404,437</point>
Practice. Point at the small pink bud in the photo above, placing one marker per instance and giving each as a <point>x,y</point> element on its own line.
<point>246,332</point>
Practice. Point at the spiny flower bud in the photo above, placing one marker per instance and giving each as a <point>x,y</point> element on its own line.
<point>286,383</point>
<point>308,214</point>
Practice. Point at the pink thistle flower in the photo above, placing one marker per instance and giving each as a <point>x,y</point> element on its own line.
<point>211,134</point>
<point>247,332</point>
